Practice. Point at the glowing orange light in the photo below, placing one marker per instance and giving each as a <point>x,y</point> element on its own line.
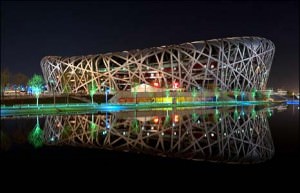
<point>155,120</point>
<point>156,84</point>
<point>176,118</point>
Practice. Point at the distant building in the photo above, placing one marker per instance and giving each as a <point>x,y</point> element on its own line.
<point>281,92</point>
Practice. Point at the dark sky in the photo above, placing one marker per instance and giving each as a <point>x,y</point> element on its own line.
<point>32,30</point>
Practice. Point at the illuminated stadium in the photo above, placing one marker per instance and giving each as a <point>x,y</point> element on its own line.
<point>241,63</point>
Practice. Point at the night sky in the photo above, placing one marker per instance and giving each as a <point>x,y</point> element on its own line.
<point>32,30</point>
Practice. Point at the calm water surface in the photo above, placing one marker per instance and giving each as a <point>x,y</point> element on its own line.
<point>246,139</point>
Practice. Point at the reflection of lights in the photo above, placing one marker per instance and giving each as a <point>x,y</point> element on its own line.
<point>162,134</point>
<point>147,133</point>
<point>205,135</point>
<point>152,128</point>
<point>124,133</point>
<point>52,139</point>
<point>143,128</point>
<point>212,66</point>
<point>198,121</point>
<point>175,85</point>
<point>173,124</point>
<point>242,130</point>
<point>156,84</point>
<point>224,134</point>
<point>104,132</point>
<point>175,133</point>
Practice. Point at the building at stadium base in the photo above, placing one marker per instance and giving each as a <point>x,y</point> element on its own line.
<point>239,63</point>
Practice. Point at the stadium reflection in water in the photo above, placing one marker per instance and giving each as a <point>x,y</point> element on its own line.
<point>222,135</point>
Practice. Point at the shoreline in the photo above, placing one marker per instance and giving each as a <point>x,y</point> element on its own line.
<point>26,109</point>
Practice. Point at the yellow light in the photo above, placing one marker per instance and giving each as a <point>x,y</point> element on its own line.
<point>155,120</point>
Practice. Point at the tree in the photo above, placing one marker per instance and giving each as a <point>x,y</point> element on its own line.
<point>36,83</point>
<point>5,74</point>
<point>92,87</point>
<point>20,79</point>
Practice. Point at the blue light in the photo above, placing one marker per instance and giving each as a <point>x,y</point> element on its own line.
<point>293,102</point>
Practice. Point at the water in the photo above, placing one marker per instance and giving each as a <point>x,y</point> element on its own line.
<point>251,140</point>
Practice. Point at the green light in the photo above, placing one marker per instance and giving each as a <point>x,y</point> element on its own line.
<point>195,117</point>
<point>36,136</point>
<point>236,114</point>
<point>217,94</point>
<point>167,93</point>
<point>167,120</point>
<point>92,87</point>
<point>269,112</point>
<point>194,92</point>
<point>253,113</point>
<point>36,83</point>
<point>135,126</point>
<point>217,114</point>
<point>94,129</point>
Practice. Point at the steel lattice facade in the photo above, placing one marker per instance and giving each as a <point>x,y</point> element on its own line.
<point>240,63</point>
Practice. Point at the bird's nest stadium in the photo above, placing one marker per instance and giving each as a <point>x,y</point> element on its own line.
<point>241,63</point>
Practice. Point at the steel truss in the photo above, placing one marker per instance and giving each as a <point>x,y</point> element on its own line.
<point>231,63</point>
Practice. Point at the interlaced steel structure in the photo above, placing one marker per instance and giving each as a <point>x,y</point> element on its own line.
<point>231,63</point>
<point>231,136</point>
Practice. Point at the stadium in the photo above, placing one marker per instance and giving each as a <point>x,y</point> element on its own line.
<point>241,63</point>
